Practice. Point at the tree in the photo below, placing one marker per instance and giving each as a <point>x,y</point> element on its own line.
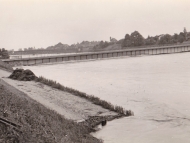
<point>162,40</point>
<point>188,36</point>
<point>136,39</point>
<point>102,45</point>
<point>175,38</point>
<point>150,41</point>
<point>185,33</point>
<point>168,38</point>
<point>165,39</point>
<point>4,53</point>
<point>127,41</point>
<point>120,41</point>
<point>181,37</point>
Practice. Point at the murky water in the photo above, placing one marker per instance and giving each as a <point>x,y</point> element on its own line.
<point>156,88</point>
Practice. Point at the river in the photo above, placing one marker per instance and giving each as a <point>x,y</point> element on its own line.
<point>155,88</point>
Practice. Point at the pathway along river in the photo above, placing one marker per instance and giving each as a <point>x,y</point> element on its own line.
<point>156,88</point>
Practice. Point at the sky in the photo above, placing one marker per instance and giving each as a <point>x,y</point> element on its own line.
<point>43,23</point>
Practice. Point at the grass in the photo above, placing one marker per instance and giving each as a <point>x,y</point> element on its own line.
<point>39,124</point>
<point>91,98</point>
<point>5,66</point>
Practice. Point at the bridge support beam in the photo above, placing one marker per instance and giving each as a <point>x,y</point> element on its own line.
<point>127,52</point>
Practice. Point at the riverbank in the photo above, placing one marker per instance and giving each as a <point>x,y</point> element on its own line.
<point>70,108</point>
<point>5,67</point>
<point>38,123</point>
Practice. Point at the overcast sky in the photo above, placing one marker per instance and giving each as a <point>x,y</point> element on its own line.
<point>42,23</point>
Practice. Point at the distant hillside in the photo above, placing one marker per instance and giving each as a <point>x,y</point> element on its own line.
<point>135,39</point>
<point>59,46</point>
<point>87,43</point>
<point>79,46</point>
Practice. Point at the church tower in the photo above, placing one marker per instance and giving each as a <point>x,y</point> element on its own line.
<point>185,33</point>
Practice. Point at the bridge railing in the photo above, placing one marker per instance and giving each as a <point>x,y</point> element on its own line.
<point>101,55</point>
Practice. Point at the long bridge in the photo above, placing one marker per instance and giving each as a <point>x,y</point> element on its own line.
<point>100,55</point>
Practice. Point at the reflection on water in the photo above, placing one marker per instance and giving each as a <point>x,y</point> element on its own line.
<point>156,88</point>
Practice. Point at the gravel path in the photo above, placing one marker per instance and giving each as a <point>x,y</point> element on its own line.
<point>66,104</point>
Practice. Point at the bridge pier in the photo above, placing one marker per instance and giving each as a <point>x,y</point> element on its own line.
<point>133,53</point>
<point>101,55</point>
<point>59,59</point>
<point>119,54</point>
<point>124,53</point>
<point>114,54</point>
<point>89,57</point>
<point>38,61</point>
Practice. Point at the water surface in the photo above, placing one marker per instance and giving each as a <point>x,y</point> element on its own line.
<point>156,88</point>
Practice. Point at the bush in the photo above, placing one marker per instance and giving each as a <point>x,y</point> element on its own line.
<point>23,75</point>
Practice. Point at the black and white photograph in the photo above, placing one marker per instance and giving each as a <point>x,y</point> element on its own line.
<point>94,71</point>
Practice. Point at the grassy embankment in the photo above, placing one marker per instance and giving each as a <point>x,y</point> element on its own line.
<point>39,124</point>
<point>5,66</point>
<point>120,110</point>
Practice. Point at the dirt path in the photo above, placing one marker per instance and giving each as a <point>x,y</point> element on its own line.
<point>66,104</point>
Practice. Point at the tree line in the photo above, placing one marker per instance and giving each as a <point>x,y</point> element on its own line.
<point>65,47</point>
<point>136,39</point>
<point>102,45</point>
<point>4,54</point>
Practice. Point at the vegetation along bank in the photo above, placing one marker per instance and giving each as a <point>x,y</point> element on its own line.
<point>41,124</point>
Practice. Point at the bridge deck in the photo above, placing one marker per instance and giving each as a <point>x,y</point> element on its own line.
<point>93,53</point>
<point>100,55</point>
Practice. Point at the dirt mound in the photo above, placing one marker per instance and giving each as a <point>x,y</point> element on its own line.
<point>23,75</point>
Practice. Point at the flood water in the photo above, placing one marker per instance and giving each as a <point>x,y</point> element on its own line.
<point>155,88</point>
